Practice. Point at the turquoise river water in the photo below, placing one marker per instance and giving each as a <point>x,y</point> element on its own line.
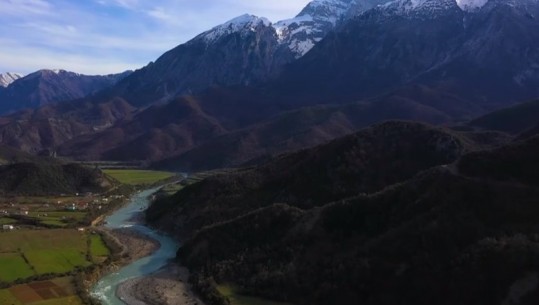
<point>105,289</point>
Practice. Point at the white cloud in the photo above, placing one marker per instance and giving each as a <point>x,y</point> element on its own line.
<point>25,7</point>
<point>128,4</point>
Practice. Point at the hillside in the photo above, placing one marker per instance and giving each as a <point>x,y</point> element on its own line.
<point>48,178</point>
<point>512,120</point>
<point>378,217</point>
<point>366,161</point>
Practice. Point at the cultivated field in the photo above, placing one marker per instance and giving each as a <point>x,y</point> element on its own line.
<point>51,292</point>
<point>26,253</point>
<point>137,177</point>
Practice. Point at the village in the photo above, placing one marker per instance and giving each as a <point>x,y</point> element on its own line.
<point>63,211</point>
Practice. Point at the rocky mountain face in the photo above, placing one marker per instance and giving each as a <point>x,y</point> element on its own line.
<point>432,42</point>
<point>316,20</point>
<point>7,78</point>
<point>52,86</point>
<point>243,51</point>
<point>246,50</point>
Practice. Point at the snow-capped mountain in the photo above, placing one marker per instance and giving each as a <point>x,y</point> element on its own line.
<point>7,78</point>
<point>243,51</point>
<point>318,18</point>
<point>242,24</point>
<point>50,86</point>
<point>485,52</point>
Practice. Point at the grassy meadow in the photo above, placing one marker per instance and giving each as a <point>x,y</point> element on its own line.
<point>137,177</point>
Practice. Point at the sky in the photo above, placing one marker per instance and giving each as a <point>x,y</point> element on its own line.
<point>111,36</point>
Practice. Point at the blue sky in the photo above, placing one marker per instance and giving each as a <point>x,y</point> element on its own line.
<point>109,36</point>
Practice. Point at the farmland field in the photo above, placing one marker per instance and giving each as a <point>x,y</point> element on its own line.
<point>7,297</point>
<point>14,267</point>
<point>7,221</point>
<point>137,177</point>
<point>46,251</point>
<point>51,292</point>
<point>58,218</point>
<point>97,246</point>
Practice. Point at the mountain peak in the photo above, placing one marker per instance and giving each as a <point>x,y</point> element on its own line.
<point>318,18</point>
<point>9,77</point>
<point>430,8</point>
<point>327,10</point>
<point>241,23</point>
<point>467,5</point>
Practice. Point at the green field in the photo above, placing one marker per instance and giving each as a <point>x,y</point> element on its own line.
<point>58,218</point>
<point>98,247</point>
<point>13,267</point>
<point>235,298</point>
<point>47,251</point>
<point>7,221</point>
<point>137,177</point>
<point>58,260</point>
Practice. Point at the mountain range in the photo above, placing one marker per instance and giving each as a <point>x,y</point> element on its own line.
<point>332,195</point>
<point>50,86</point>
<point>244,87</point>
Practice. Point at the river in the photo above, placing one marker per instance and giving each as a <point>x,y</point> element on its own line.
<point>105,289</point>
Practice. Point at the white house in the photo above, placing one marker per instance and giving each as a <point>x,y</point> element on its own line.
<point>8,227</point>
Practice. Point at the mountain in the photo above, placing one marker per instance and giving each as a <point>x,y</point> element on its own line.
<point>423,60</point>
<point>246,50</point>
<point>43,129</point>
<point>50,178</point>
<point>367,219</point>
<point>365,162</point>
<point>7,78</point>
<point>480,55</point>
<point>51,86</point>
<point>242,51</point>
<point>316,20</point>
<point>29,175</point>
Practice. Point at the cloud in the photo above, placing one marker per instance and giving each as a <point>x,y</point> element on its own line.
<point>160,14</point>
<point>25,7</point>
<point>128,4</point>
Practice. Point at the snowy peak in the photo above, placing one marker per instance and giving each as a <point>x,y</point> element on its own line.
<point>243,23</point>
<point>423,8</point>
<point>318,18</point>
<point>7,78</point>
<point>327,10</point>
<point>471,5</point>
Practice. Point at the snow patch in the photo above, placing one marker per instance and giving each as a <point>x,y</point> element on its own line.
<point>470,5</point>
<point>8,78</point>
<point>239,24</point>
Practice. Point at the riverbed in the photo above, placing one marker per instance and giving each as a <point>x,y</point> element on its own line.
<point>126,217</point>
